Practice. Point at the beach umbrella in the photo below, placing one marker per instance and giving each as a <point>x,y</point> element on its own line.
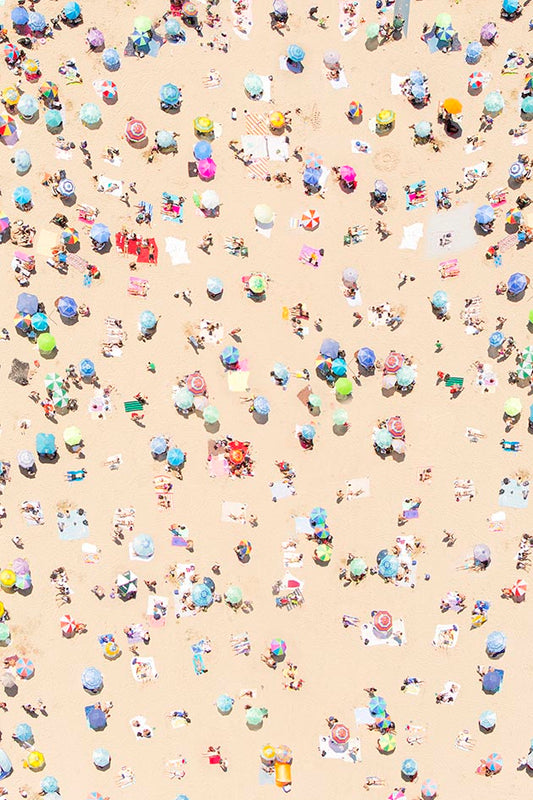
<point>24,668</point>
<point>358,567</point>
<point>261,406</point>
<point>409,767</point>
<point>418,92</point>
<point>496,643</point>
<point>295,53</point>
<point>22,161</point>
<point>27,303</point>
<point>439,299</point>
<point>91,679</point>
<point>445,35</point>
<point>377,705</point>
<point>263,214</point>
<point>423,129</point>
<point>382,622</point>
<point>389,566</point>
<point>140,39</point>
<point>276,120</point>
<point>278,647</point>
<point>95,38</point>
<point>494,102</point>
<point>385,117</point>
<point>53,119</point>
<point>143,545</point>
<point>355,109</point>
<point>491,682</point>
<point>172,27</point>
<point>253,84</point>
<point>30,67</point>
<point>170,94</point>
<point>331,59</point>
<point>224,703</point>
<point>372,30</point>
<point>485,214</point>
<point>487,720</point>
<point>510,6</point>
<point>393,362</point>
<point>482,553</point>
<point>201,595</point>
<point>19,16</point>
<point>39,322</point>
<point>513,406</point>
<point>340,733</point>
<point>22,195</point>
<point>494,763</point>
<point>8,126</point>
<point>405,376</point>
<point>72,436</point>
<point>475,80</point>
<point>428,789</point>
<point>67,625</point>
<point>323,553</point>
<point>308,432</point>
<point>339,417</point>
<point>382,439</point>
<point>321,533</point>
<point>395,426</point>
<point>35,759</point>
<point>67,307</point>
<point>97,719</point>
<point>257,284</point>
<point>254,716</point>
<point>527,353</point>
<point>72,11</point>
<point>142,24</point>
<point>60,399</point>
<point>513,216</point>
<point>87,368</point>
<point>183,399</point>
<point>314,161</point>
<point>416,78</point>
<point>165,139</point>
<point>135,130</point>
<point>127,584</point>
<point>49,90</point>
<point>387,743</point>
<point>330,348</point>
<point>49,784</point>
<point>175,457</point>
<point>350,276</point>
<point>310,220</point>
<point>69,236</point>
<point>147,320</point>
<point>366,357</point>
<point>473,52</point>
<point>517,170</point>
<point>517,283</point>
<point>527,106</point>
<point>158,445</point>
<point>7,578</point>
<point>11,52</point>
<point>5,633</point>
<point>311,177</point>
<point>215,286</point>
<point>211,415</point>
<point>196,384</point>
<point>233,595</point>
<point>25,459</point>
<point>210,200</point>
<point>343,386</point>
<point>108,90</point>
<point>281,372</point>
<point>45,444</point>
<point>10,96</point>
<point>22,322</point>
<point>519,589</point>
<point>230,355</point>
<point>66,188</point>
<point>443,20</point>
<point>202,149</point>
<point>111,58</point>
<point>90,114</point>
<point>100,233</point>
<point>101,757</point>
<point>36,21</point>
<point>347,174</point>
<point>203,125</point>
<point>207,168</point>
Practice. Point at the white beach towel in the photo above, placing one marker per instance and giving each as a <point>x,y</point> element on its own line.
<point>341,82</point>
<point>411,236</point>
<point>396,639</point>
<point>233,512</point>
<point>243,22</point>
<point>277,149</point>
<point>395,83</point>
<point>177,250</point>
<point>267,88</point>
<point>106,185</point>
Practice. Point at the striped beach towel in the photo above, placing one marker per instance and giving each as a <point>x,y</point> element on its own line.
<point>132,405</point>
<point>259,169</point>
<point>257,125</point>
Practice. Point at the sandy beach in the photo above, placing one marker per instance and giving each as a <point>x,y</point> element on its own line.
<point>335,665</point>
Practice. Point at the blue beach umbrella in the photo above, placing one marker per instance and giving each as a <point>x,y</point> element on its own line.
<point>66,188</point>
<point>510,6</point>
<point>423,129</point>
<point>19,16</point>
<point>143,545</point>
<point>172,27</point>
<point>53,118</point>
<point>27,303</point>
<point>308,433</point>
<point>517,283</point>
<point>229,355</point>
<point>329,348</point>
<point>101,757</point>
<point>175,457</point>
<point>111,58</point>
<point>100,233</point>
<point>311,177</point>
<point>496,643</point>
<point>491,682</point>
<point>487,720</point>
<point>67,307</point>
<point>22,161</point>
<point>496,339</point>
<point>27,106</point>
<point>445,35</point>
<point>318,516</point>
<point>377,706</point>
<point>261,406</point>
<point>517,170</point>
<point>485,214</point>
<point>409,767</point>
<point>366,357</point>
<point>170,94</point>
<point>201,595</point>
<point>473,52</point>
<point>418,92</point>
<point>147,320</point>
<point>215,286</point>
<point>281,372</point>
<point>389,566</point>
<point>23,732</point>
<point>202,149</point>
<point>39,322</point>
<point>158,445</point>
<point>225,703</point>
<point>72,11</point>
<point>91,679</point>
<point>36,21</point>
<point>22,195</point>
<point>339,367</point>
<point>49,784</point>
<point>165,139</point>
<point>97,719</point>
<point>494,102</point>
<point>416,77</point>
<point>439,299</point>
<point>87,368</point>
<point>295,53</point>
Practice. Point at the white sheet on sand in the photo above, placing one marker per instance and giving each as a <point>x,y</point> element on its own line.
<point>277,149</point>
<point>396,639</point>
<point>323,177</point>
<point>63,155</point>
<point>238,380</point>
<point>290,582</point>
<point>352,753</point>
<point>233,512</point>
<point>302,525</point>
<point>411,236</point>
<point>108,186</point>
<point>177,250</point>
<point>347,22</point>
<point>358,146</point>
<point>395,83</point>
<point>283,63</point>
<point>281,489</point>
<point>446,636</point>
<point>264,230</point>
<point>255,147</point>
<point>341,82</point>
<point>143,669</point>
<point>267,88</point>
<point>292,557</point>
<point>355,300</point>
<point>363,716</point>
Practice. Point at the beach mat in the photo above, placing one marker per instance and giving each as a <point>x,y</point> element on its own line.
<point>513,494</point>
<point>72,524</point>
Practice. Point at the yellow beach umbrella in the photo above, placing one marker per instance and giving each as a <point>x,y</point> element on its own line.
<point>277,120</point>
<point>7,578</point>
<point>11,95</point>
<point>385,117</point>
<point>35,760</point>
<point>268,753</point>
<point>203,125</point>
<point>112,650</point>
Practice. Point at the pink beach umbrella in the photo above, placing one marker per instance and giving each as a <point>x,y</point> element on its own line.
<point>347,174</point>
<point>207,168</point>
<point>429,789</point>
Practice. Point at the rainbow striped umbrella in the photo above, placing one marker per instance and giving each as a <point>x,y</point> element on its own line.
<point>278,647</point>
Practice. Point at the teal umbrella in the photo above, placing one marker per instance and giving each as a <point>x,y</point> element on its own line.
<point>255,716</point>
<point>252,84</point>
<point>494,102</point>
<point>372,30</point>
<point>225,703</point>
<point>527,106</point>
<point>90,114</point>
<point>383,439</point>
<point>53,119</point>
<point>211,415</point>
<point>405,376</point>
<point>233,595</point>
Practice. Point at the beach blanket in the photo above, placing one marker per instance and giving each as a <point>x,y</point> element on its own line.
<point>19,372</point>
<point>72,524</point>
<point>396,639</point>
<point>348,17</point>
<point>464,489</point>
<point>32,512</point>
<point>234,512</point>
<point>140,729</point>
<point>156,609</point>
<point>112,187</point>
<point>181,594</point>
<point>396,83</point>
<point>513,493</point>
<point>242,20</point>
<point>259,169</point>
<point>171,210</point>
<point>281,489</point>
<point>63,155</point>
<point>212,79</point>
<point>124,519</point>
<point>292,557</point>
<point>446,636</point>
<point>257,125</point>
<point>351,751</point>
<point>238,380</point>
<point>177,250</point>
<point>218,466</point>
<point>341,82</point>
<point>416,196</point>
<point>449,268</point>
<point>310,255</point>
<point>411,236</point>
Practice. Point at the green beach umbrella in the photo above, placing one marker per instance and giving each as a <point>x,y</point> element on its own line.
<point>405,376</point>
<point>443,20</point>
<point>372,30</point>
<point>358,567</point>
<point>340,417</point>
<point>233,595</point>
<point>257,284</point>
<point>524,370</point>
<point>5,633</point>
<point>53,381</point>
<point>255,716</point>
<point>46,343</point>
<point>142,24</point>
<point>343,386</point>
<point>72,436</point>
<point>494,102</point>
<point>314,401</point>
<point>211,414</point>
<point>513,406</point>
<point>387,743</point>
<point>60,399</point>
<point>527,353</point>
<point>323,552</point>
<point>383,439</point>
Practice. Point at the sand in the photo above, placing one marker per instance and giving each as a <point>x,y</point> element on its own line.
<point>333,662</point>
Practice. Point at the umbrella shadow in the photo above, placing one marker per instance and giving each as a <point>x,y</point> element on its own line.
<point>212,427</point>
<point>260,419</point>
<point>28,473</point>
<point>340,430</point>
<point>49,356</point>
<point>31,120</point>
<point>372,44</point>
<point>138,145</point>
<point>110,101</point>
<point>474,92</point>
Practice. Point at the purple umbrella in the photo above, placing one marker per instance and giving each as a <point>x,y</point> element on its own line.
<point>20,566</point>
<point>95,38</point>
<point>488,31</point>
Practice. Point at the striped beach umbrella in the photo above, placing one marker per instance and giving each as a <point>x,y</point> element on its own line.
<point>109,90</point>
<point>8,126</point>
<point>278,647</point>
<point>310,220</point>
<point>24,668</point>
<point>135,130</point>
<point>49,90</point>
<point>70,236</point>
<point>67,625</point>
<point>340,733</point>
<point>428,789</point>
<point>393,362</point>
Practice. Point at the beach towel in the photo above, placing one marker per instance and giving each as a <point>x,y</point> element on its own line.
<point>513,494</point>
<point>242,21</point>
<point>218,466</point>
<point>255,146</point>
<point>111,187</point>
<point>138,287</point>
<point>177,250</point>
<point>292,557</point>
<point>259,169</point>
<point>396,639</point>
<point>171,210</point>
<point>281,489</point>
<point>396,83</point>
<point>19,372</point>
<point>341,82</point>
<point>256,125</point>
<point>32,512</point>
<point>212,79</point>
<point>233,512</point>
<point>63,155</point>
<point>139,727</point>
<point>44,242</point>
<point>449,269</point>
<point>156,609</point>
<point>238,380</point>
<point>277,148</point>
<point>266,778</point>
<point>77,262</point>
<point>348,17</point>
<point>498,197</point>
<point>359,146</point>
<point>464,489</point>
<point>351,751</point>
<point>310,255</point>
<point>446,636</point>
<point>143,669</point>
<point>416,196</point>
<point>72,524</point>
<point>302,525</point>
<point>363,716</point>
<point>411,236</point>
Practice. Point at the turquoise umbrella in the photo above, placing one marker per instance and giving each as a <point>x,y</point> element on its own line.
<point>225,703</point>
<point>90,114</point>
<point>53,119</point>
<point>405,376</point>
<point>494,102</point>
<point>383,439</point>
<point>439,299</point>
<point>295,53</point>
<point>423,129</point>
<point>527,106</point>
<point>252,84</point>
<point>165,139</point>
<point>27,106</point>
